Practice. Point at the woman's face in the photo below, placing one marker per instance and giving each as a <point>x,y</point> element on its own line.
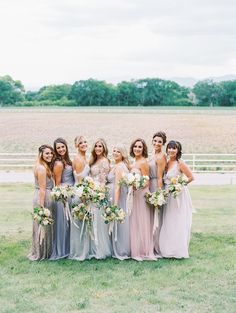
<point>138,148</point>
<point>83,145</point>
<point>157,143</point>
<point>47,155</point>
<point>172,152</point>
<point>117,156</point>
<point>61,149</point>
<point>98,148</point>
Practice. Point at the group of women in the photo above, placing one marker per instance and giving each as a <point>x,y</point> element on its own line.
<point>137,237</point>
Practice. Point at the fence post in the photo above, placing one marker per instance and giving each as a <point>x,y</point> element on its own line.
<point>194,163</point>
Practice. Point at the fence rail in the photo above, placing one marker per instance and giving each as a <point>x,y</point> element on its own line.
<point>199,163</point>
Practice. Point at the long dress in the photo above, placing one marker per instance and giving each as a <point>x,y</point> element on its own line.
<point>61,242</point>
<point>120,236</point>
<point>79,242</point>
<point>177,220</point>
<point>100,246</point>
<point>153,187</point>
<point>141,227</point>
<point>42,251</point>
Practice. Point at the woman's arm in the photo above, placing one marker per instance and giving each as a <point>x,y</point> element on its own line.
<point>104,170</point>
<point>161,165</point>
<point>144,168</point>
<point>78,167</point>
<point>57,171</point>
<point>118,175</point>
<point>42,181</point>
<point>186,171</point>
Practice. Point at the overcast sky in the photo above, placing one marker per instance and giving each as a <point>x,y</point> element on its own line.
<point>50,42</point>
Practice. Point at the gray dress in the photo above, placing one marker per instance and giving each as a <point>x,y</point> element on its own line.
<point>79,242</point>
<point>120,236</point>
<point>61,242</point>
<point>177,219</point>
<point>153,188</point>
<point>100,247</point>
<point>43,250</point>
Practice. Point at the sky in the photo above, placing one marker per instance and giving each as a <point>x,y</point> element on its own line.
<point>62,41</point>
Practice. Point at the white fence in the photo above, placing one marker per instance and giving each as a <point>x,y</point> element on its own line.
<point>199,163</point>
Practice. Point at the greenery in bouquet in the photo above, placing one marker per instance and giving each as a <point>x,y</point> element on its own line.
<point>42,216</point>
<point>113,213</point>
<point>176,185</point>
<point>157,198</point>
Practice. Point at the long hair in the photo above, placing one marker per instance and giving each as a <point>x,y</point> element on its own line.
<point>145,149</point>
<point>48,166</point>
<point>66,160</point>
<point>93,157</point>
<point>175,145</point>
<point>124,154</point>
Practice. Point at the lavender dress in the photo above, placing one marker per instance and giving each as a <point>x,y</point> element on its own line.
<point>79,236</point>
<point>141,227</point>
<point>177,220</point>
<point>100,246</point>
<point>43,250</point>
<point>153,187</point>
<point>120,236</point>
<point>61,243</point>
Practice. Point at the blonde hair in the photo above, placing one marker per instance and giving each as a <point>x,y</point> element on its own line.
<point>48,166</point>
<point>93,157</point>
<point>77,140</point>
<point>121,148</point>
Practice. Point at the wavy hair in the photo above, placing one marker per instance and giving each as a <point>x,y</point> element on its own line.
<point>93,157</point>
<point>145,149</point>
<point>66,160</point>
<point>175,145</point>
<point>48,166</point>
<point>121,148</point>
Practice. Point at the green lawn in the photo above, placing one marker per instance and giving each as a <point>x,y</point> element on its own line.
<point>203,283</point>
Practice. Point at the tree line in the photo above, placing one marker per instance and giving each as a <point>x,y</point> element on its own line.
<point>141,92</point>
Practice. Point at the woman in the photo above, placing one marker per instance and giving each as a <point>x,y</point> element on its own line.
<point>157,166</point>
<point>141,226</point>
<point>79,238</point>
<point>43,186</point>
<point>63,174</point>
<point>177,213</point>
<point>118,196</point>
<point>99,169</point>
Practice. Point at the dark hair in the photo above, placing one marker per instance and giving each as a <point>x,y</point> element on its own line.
<point>145,149</point>
<point>160,134</point>
<point>175,145</point>
<point>66,160</point>
<point>48,166</point>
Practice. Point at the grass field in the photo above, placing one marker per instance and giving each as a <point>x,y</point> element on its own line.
<point>205,283</point>
<point>201,130</point>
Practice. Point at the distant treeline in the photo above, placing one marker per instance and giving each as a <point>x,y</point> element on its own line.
<point>141,92</point>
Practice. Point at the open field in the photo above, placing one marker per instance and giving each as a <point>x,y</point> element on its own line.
<point>201,130</point>
<point>204,283</point>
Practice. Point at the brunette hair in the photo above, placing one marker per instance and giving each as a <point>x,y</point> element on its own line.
<point>48,166</point>
<point>145,149</point>
<point>66,160</point>
<point>175,145</point>
<point>160,134</point>
<point>93,157</point>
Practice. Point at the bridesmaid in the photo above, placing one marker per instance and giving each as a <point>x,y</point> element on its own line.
<point>43,186</point>
<point>79,243</point>
<point>118,196</point>
<point>99,168</point>
<point>141,226</point>
<point>63,173</point>
<point>177,213</point>
<point>157,166</point>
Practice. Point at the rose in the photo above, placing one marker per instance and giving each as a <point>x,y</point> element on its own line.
<point>45,222</point>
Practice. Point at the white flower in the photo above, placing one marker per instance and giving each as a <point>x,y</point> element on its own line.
<point>41,212</point>
<point>79,191</point>
<point>47,212</point>
<point>45,222</point>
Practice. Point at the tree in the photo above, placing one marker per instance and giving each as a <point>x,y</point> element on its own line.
<point>208,93</point>
<point>228,97</point>
<point>11,91</point>
<point>54,92</point>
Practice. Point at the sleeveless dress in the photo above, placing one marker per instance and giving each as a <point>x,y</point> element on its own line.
<point>79,242</point>
<point>43,251</point>
<point>141,227</point>
<point>153,187</point>
<point>61,243</point>
<point>177,220</point>
<point>100,247</point>
<point>120,237</point>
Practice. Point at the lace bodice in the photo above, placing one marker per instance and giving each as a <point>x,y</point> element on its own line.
<point>100,170</point>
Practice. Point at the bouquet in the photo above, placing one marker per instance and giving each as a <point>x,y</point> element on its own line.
<point>176,185</point>
<point>157,198</point>
<point>62,193</point>
<point>83,213</point>
<point>134,180</point>
<point>113,213</point>
<point>42,216</point>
